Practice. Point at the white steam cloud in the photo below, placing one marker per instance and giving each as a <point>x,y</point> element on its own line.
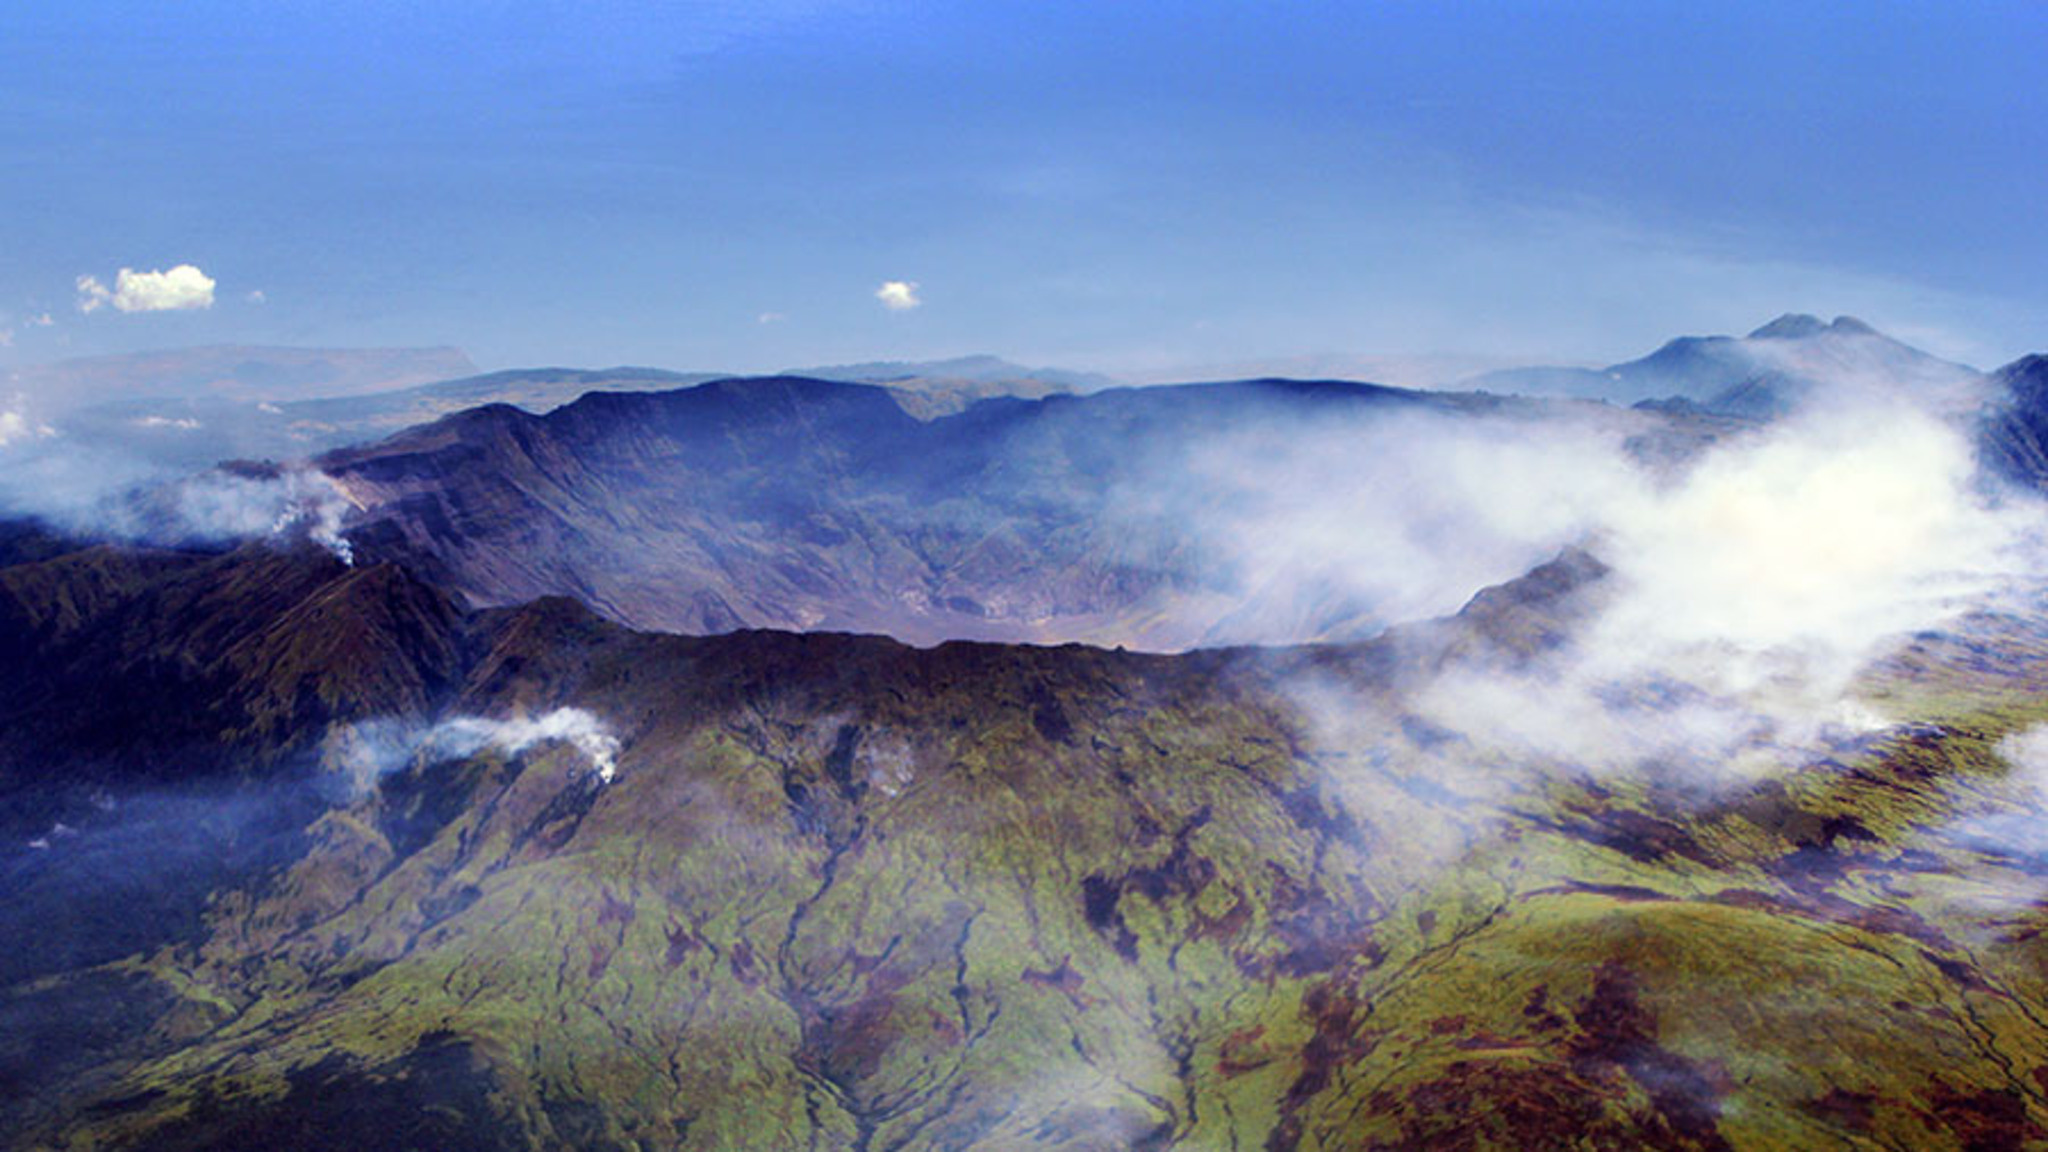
<point>367,751</point>
<point>227,506</point>
<point>1748,586</point>
<point>466,735</point>
<point>102,493</point>
<point>1827,531</point>
<point>898,295</point>
<point>1381,519</point>
<point>177,289</point>
<point>1745,599</point>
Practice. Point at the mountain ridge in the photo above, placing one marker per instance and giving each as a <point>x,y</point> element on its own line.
<point>1216,918</point>
<point>1759,376</point>
<point>812,504</point>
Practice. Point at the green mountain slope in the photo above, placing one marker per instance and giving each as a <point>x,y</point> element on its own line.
<point>843,893</point>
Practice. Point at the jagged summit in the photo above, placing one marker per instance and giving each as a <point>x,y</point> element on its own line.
<point>2032,367</point>
<point>1790,326</point>
<point>1802,325</point>
<point>1759,376</point>
<point>2013,435</point>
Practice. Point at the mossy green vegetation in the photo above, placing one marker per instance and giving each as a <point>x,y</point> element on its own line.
<point>848,894</point>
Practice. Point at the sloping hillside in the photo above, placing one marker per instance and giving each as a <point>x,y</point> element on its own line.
<point>844,893</point>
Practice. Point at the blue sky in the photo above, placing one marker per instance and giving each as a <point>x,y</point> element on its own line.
<point>1129,186</point>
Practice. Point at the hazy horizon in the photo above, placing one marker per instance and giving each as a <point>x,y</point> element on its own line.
<point>1134,191</point>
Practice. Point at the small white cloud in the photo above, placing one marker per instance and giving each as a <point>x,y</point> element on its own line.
<point>181,423</point>
<point>15,424</point>
<point>41,320</point>
<point>770,318</point>
<point>256,296</point>
<point>898,295</point>
<point>177,289</point>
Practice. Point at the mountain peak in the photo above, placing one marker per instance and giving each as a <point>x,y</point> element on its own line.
<point>2032,364</point>
<point>1791,326</point>
<point>1800,325</point>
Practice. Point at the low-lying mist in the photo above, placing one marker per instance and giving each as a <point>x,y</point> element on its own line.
<point>132,868</point>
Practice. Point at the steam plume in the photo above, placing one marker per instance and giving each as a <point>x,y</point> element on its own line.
<point>369,750</point>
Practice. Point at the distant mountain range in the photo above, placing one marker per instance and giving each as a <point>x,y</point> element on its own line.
<point>184,411</point>
<point>931,388</point>
<point>1760,375</point>
<point>233,372</point>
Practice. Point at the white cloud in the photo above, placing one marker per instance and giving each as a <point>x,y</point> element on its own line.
<point>256,296</point>
<point>1747,596</point>
<point>770,318</point>
<point>15,425</point>
<point>1829,532</point>
<point>181,423</point>
<point>10,331</point>
<point>1406,514</point>
<point>177,289</point>
<point>1748,587</point>
<point>898,295</point>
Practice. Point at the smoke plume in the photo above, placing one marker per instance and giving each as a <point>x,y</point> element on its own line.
<point>99,492</point>
<point>367,751</point>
